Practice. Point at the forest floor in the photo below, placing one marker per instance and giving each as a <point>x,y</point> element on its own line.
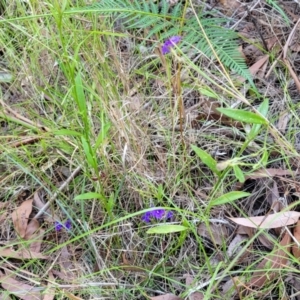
<point>149,149</point>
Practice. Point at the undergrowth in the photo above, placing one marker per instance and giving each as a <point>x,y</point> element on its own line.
<point>90,90</point>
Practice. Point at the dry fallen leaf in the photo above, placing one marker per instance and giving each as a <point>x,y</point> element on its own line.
<point>265,239</point>
<point>50,291</point>
<point>21,290</point>
<point>21,254</point>
<point>35,234</point>
<point>257,65</point>
<point>166,297</point>
<point>295,248</point>
<point>236,245</point>
<point>71,296</point>
<point>195,295</point>
<point>47,215</point>
<point>32,227</point>
<point>270,265</point>
<point>20,217</point>
<point>270,173</point>
<point>283,121</point>
<point>219,233</point>
<point>270,221</point>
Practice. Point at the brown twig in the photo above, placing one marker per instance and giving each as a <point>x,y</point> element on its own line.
<point>54,196</point>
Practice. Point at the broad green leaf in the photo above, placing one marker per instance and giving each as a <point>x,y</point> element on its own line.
<point>165,228</point>
<point>229,197</point>
<point>239,174</point>
<point>88,196</point>
<point>243,115</point>
<point>206,159</point>
<point>66,132</point>
<point>263,109</point>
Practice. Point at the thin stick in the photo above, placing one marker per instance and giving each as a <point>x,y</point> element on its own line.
<point>54,196</point>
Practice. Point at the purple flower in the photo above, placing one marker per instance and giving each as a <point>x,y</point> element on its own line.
<point>169,43</point>
<point>158,214</point>
<point>147,216</point>
<point>169,215</point>
<point>59,226</point>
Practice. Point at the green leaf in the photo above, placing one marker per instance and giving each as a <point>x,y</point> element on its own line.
<point>239,173</point>
<point>243,115</point>
<point>80,94</point>
<point>88,196</point>
<point>229,197</point>
<point>263,109</point>
<point>66,132</point>
<point>165,228</point>
<point>209,93</point>
<point>87,150</point>
<point>206,159</point>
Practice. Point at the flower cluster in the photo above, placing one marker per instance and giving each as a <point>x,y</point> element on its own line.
<point>158,214</point>
<point>59,226</point>
<point>169,43</point>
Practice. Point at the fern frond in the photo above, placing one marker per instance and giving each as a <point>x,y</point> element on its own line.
<point>163,21</point>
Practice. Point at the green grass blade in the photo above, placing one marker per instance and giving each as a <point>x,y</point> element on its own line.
<point>88,196</point>
<point>229,197</point>
<point>243,116</point>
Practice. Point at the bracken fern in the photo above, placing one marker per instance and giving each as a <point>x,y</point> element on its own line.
<point>162,21</point>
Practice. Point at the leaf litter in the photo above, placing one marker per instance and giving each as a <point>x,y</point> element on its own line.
<point>211,122</point>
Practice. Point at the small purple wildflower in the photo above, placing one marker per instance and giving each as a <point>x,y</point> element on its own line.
<point>147,216</point>
<point>169,215</point>
<point>59,226</point>
<point>169,43</point>
<point>158,214</point>
<point>68,224</point>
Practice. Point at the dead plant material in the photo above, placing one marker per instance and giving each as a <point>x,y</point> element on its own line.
<point>271,265</point>
<point>276,220</point>
<point>21,290</point>
<point>262,173</point>
<point>34,233</point>
<point>39,204</point>
<point>50,291</point>
<point>20,217</point>
<point>256,67</point>
<point>71,296</point>
<point>283,121</point>
<point>21,254</point>
<point>210,113</point>
<point>295,248</point>
<point>217,233</point>
<point>61,188</point>
<point>165,297</point>
<point>195,295</point>
<point>235,246</point>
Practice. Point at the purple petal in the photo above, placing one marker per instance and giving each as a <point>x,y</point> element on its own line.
<point>147,216</point>
<point>169,215</point>
<point>58,226</point>
<point>68,224</point>
<point>158,213</point>
<point>169,43</point>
